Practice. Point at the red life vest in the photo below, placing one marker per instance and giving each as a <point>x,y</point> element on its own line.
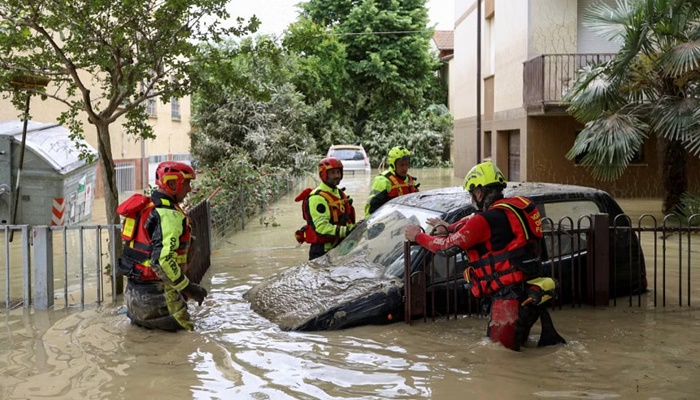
<point>341,210</point>
<point>138,246</point>
<point>490,271</point>
<point>399,186</point>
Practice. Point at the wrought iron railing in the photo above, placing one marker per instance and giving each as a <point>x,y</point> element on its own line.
<point>597,262</point>
<point>547,77</point>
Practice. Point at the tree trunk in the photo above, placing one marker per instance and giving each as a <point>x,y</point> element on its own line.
<point>109,183</point>
<point>674,176</point>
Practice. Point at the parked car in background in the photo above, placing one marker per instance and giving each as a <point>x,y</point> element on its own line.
<point>361,281</point>
<point>354,157</point>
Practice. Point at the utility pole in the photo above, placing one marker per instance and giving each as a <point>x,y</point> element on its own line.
<point>25,83</point>
<point>478,81</point>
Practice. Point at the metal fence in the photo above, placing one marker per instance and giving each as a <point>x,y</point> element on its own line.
<point>69,266</point>
<point>597,262</point>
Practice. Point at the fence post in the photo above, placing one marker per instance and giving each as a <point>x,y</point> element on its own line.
<point>599,261</point>
<point>117,277</point>
<point>26,267</point>
<point>243,205</point>
<point>43,267</point>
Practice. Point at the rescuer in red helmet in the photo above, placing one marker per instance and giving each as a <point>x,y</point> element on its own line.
<point>327,210</point>
<point>502,245</point>
<point>157,238</point>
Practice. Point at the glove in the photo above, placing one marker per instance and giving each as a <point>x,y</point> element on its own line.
<point>195,292</point>
<point>299,234</point>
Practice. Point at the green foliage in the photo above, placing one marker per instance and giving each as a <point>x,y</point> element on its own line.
<point>320,61</point>
<point>689,207</point>
<point>388,62</point>
<point>346,72</point>
<point>262,113</point>
<point>426,135</point>
<point>245,188</point>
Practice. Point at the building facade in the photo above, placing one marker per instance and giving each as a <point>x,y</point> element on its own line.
<point>530,52</point>
<point>135,159</point>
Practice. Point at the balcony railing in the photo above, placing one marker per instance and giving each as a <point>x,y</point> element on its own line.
<point>546,78</point>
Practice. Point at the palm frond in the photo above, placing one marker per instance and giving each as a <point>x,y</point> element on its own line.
<point>681,59</point>
<point>608,144</point>
<point>608,22</point>
<point>674,117</point>
<point>693,30</point>
<point>692,142</point>
<point>593,93</point>
<point>689,207</point>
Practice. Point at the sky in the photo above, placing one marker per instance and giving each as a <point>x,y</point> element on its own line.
<point>275,15</point>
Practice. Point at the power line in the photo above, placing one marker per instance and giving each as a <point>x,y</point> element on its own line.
<point>377,33</point>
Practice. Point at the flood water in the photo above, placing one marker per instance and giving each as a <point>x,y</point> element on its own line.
<point>612,353</point>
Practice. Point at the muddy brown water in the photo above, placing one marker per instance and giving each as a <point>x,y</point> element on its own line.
<point>612,353</point>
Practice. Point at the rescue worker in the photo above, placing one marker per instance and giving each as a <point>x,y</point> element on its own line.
<point>393,182</point>
<point>502,243</point>
<point>327,210</point>
<point>157,239</point>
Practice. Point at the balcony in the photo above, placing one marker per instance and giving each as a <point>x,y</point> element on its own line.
<point>546,78</point>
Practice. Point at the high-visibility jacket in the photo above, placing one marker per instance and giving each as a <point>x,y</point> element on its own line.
<point>329,215</point>
<point>157,239</point>
<point>387,186</point>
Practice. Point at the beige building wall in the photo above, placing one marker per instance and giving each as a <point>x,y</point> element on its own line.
<point>463,87</point>
<point>172,134</point>
<point>552,27</point>
<point>516,32</point>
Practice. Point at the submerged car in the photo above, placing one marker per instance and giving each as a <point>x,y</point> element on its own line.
<point>354,157</point>
<point>361,281</point>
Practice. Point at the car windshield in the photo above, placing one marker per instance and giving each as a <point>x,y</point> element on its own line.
<point>348,154</point>
<point>380,239</point>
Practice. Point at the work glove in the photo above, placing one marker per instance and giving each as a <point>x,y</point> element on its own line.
<point>195,292</point>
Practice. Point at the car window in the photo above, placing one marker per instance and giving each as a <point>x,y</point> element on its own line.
<point>380,239</point>
<point>563,241</point>
<point>348,154</point>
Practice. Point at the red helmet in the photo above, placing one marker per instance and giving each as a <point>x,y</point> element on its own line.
<point>169,170</point>
<point>329,163</point>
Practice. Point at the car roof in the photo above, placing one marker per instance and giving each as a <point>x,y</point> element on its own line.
<point>346,146</point>
<point>450,199</point>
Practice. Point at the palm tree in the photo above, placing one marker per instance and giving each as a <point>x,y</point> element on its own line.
<point>651,87</point>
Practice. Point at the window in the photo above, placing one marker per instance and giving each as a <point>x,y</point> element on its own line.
<point>487,144</point>
<point>184,157</point>
<point>151,108</point>
<point>158,158</point>
<point>153,162</point>
<point>126,176</point>
<point>491,45</point>
<point>175,109</point>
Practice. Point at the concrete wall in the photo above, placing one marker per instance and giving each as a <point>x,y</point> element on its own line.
<point>552,137</point>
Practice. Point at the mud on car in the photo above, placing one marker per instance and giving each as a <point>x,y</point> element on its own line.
<point>361,281</point>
